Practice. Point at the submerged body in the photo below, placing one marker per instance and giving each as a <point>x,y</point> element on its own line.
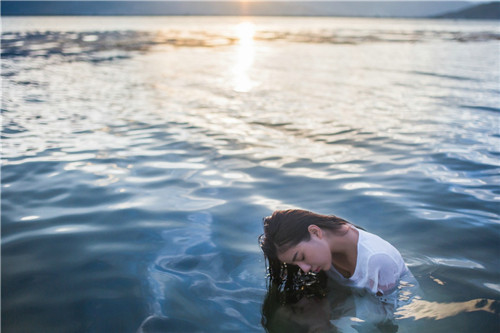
<point>348,255</point>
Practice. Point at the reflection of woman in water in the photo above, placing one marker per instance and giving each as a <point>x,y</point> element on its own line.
<point>341,312</point>
<point>348,255</point>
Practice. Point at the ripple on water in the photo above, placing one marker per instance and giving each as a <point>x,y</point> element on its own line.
<point>455,262</point>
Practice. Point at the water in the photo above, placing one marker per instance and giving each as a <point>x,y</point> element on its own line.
<point>139,156</point>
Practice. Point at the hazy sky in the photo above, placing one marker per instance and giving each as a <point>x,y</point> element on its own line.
<point>474,1</point>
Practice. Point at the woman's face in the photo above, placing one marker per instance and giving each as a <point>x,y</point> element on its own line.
<point>313,255</point>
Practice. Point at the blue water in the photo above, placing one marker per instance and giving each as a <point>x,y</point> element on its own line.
<point>139,156</point>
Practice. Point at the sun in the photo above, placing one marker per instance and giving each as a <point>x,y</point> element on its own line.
<point>245,32</point>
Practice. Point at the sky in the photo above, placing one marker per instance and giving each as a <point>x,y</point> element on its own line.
<point>472,1</point>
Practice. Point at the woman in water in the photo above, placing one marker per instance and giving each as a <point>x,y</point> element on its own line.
<point>314,243</point>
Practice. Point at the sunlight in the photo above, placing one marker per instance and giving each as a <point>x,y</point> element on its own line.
<point>245,31</point>
<point>420,309</point>
<point>245,57</point>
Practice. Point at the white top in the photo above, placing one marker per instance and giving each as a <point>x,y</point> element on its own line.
<point>379,266</point>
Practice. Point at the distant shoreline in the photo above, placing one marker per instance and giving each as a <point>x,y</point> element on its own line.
<point>354,9</point>
<point>256,16</point>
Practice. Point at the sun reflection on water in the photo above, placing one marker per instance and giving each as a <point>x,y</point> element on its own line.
<point>244,57</point>
<point>420,309</point>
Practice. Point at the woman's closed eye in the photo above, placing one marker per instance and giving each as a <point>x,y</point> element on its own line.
<point>301,259</point>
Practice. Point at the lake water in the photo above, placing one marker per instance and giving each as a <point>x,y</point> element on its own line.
<point>139,156</point>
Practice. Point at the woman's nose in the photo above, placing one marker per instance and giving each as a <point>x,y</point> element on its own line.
<point>305,267</point>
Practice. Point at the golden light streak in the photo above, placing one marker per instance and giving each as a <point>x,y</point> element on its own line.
<point>245,57</point>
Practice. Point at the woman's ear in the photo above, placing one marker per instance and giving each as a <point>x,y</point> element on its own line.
<point>314,230</point>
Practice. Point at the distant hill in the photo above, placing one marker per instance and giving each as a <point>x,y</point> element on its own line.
<point>246,8</point>
<point>489,11</point>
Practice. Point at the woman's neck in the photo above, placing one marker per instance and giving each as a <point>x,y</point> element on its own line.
<point>344,249</point>
<point>345,241</point>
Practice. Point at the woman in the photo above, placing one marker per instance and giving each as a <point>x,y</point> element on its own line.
<point>315,243</point>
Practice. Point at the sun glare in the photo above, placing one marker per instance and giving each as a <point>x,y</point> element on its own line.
<point>245,57</point>
<point>245,31</point>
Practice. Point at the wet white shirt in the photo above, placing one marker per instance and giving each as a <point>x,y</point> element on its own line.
<point>379,266</point>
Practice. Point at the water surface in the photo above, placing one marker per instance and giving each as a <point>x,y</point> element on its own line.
<point>139,156</point>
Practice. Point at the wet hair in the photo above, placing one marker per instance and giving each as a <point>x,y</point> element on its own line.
<point>285,229</point>
<point>297,286</point>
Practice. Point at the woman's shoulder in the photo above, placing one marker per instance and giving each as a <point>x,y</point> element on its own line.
<point>373,244</point>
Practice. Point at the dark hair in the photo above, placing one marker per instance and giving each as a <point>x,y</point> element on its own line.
<point>287,228</point>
